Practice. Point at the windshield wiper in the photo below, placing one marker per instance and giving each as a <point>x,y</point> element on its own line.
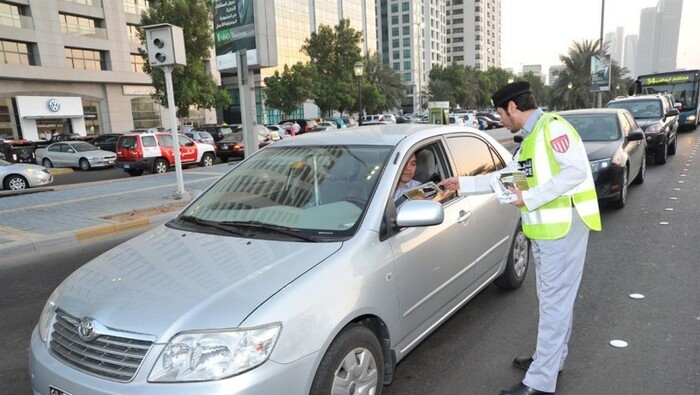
<point>212,224</point>
<point>275,228</point>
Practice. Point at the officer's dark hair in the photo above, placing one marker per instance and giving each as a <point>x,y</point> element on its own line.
<point>523,102</point>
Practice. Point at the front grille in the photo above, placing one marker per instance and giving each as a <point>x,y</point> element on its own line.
<point>110,357</point>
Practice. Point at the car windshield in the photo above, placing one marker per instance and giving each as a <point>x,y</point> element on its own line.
<point>235,137</point>
<point>316,191</point>
<point>640,109</point>
<point>599,127</point>
<point>82,147</point>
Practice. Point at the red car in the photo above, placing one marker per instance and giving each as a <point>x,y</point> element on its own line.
<point>153,152</point>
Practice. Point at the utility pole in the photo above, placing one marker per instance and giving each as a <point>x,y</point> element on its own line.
<point>602,19</point>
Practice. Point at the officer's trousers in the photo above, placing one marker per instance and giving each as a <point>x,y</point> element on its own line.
<point>559,268</point>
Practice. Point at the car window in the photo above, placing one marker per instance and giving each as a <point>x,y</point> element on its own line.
<point>165,140</point>
<point>318,190</point>
<point>640,109</point>
<point>56,147</point>
<point>233,137</point>
<point>595,127</point>
<point>184,140</point>
<point>128,142</point>
<point>83,147</point>
<point>626,126</point>
<point>473,156</point>
<point>150,141</point>
<point>431,166</point>
<point>632,123</point>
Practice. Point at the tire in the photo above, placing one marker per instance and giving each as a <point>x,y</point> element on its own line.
<point>224,159</point>
<point>84,164</point>
<point>621,198</point>
<point>207,160</point>
<point>353,364</point>
<point>15,183</point>
<point>160,166</point>
<point>47,163</point>
<point>672,148</point>
<point>518,261</point>
<point>642,171</point>
<point>661,157</point>
<point>135,172</point>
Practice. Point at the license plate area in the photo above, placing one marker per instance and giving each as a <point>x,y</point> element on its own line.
<point>57,391</point>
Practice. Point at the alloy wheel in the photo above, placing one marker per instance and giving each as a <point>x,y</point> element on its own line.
<point>357,374</point>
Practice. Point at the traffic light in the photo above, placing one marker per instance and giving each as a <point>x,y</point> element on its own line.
<point>165,44</point>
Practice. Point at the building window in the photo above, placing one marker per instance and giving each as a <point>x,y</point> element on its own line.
<point>405,6</point>
<point>15,52</point>
<point>406,30</point>
<point>407,65</point>
<point>145,112</point>
<point>79,26</point>
<point>133,31</point>
<point>458,11</point>
<point>459,58</point>
<point>405,18</point>
<point>86,2</point>
<point>394,31</point>
<point>397,66</point>
<point>11,15</point>
<point>136,6</point>
<point>406,41</point>
<point>407,76</point>
<point>394,8</point>
<point>406,53</point>
<point>85,59</point>
<point>137,63</point>
<point>395,43</point>
<point>396,54</point>
<point>395,20</point>
<point>91,112</point>
<point>6,115</point>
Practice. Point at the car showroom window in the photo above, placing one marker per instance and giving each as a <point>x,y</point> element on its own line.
<point>473,156</point>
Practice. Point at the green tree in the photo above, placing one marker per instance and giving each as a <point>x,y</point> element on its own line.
<point>490,81</point>
<point>192,85</point>
<point>333,52</point>
<point>388,84</point>
<point>539,90</point>
<point>289,90</point>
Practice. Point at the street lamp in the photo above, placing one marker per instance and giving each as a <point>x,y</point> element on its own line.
<point>359,69</point>
<point>419,40</point>
<point>568,93</point>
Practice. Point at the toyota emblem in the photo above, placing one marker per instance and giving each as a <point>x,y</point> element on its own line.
<point>54,105</point>
<point>86,329</point>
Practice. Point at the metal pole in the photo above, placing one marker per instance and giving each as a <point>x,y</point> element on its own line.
<point>602,19</point>
<point>359,93</point>
<point>168,70</point>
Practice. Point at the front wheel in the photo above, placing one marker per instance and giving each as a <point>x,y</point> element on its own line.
<point>621,199</point>
<point>160,166</point>
<point>135,172</point>
<point>207,160</point>
<point>47,163</point>
<point>353,364</point>
<point>672,148</point>
<point>15,183</point>
<point>84,164</point>
<point>642,171</point>
<point>518,260</point>
<point>662,155</point>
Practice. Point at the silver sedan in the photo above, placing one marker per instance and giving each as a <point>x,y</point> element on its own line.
<point>18,176</point>
<point>297,272</point>
<point>75,154</point>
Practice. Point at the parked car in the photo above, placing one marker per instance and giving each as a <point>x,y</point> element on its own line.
<point>106,141</point>
<point>379,118</point>
<point>58,137</point>
<point>18,176</point>
<point>306,124</point>
<point>217,131</point>
<point>17,150</point>
<point>324,127</point>
<point>493,121</point>
<point>153,152</point>
<point>200,136</point>
<point>616,148</point>
<point>282,132</point>
<point>291,272</point>
<point>658,120</point>
<point>458,120</point>
<point>78,154</point>
<point>469,119</point>
<point>232,146</point>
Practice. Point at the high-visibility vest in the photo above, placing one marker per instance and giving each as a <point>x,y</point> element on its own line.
<point>553,219</point>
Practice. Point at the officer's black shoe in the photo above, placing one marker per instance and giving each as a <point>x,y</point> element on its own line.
<point>522,389</point>
<point>524,363</point>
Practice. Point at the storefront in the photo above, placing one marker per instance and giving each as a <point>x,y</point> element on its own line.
<point>41,115</point>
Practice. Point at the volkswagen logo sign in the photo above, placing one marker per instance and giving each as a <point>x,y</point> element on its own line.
<point>86,330</point>
<point>54,105</point>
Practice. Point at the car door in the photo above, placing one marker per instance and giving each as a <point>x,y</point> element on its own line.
<point>432,263</point>
<point>635,150</point>
<point>188,149</point>
<point>494,223</point>
<point>53,152</point>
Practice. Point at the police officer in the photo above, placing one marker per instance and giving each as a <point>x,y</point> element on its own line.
<point>558,209</point>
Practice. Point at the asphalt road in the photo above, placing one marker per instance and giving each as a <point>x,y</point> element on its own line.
<point>472,352</point>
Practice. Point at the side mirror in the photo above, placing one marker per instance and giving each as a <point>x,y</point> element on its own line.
<point>414,213</point>
<point>636,136</point>
<point>672,113</point>
<point>189,144</point>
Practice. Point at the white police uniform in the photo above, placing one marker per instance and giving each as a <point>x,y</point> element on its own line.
<point>558,262</point>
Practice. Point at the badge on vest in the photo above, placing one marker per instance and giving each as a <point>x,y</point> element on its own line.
<point>560,144</point>
<point>526,167</point>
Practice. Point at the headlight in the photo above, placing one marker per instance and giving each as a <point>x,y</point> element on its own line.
<point>202,356</point>
<point>47,314</point>
<point>599,165</point>
<point>653,128</point>
<point>691,118</point>
<point>34,172</point>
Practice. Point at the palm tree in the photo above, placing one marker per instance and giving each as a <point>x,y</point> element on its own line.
<point>387,81</point>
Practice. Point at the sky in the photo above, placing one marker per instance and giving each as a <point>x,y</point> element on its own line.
<point>538,31</point>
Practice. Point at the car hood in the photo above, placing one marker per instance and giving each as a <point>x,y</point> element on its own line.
<point>600,149</point>
<point>166,281</point>
<point>643,123</point>
<point>21,167</point>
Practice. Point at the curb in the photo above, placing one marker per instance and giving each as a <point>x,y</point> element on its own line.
<point>60,170</point>
<point>84,235</point>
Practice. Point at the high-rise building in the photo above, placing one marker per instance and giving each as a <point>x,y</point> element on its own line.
<point>554,72</point>
<point>615,42</point>
<point>659,29</point>
<point>474,33</point>
<point>629,60</point>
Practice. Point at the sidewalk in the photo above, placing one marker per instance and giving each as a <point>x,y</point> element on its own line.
<point>74,213</point>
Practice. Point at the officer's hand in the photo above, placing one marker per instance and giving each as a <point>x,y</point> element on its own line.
<point>519,201</point>
<point>451,184</point>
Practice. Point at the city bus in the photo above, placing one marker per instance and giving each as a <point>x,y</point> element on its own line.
<point>683,85</point>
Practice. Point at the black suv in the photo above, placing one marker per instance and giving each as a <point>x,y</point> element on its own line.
<point>657,118</point>
<point>217,131</point>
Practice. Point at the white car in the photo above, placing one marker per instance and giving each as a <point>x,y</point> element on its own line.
<point>18,176</point>
<point>294,273</point>
<point>75,154</point>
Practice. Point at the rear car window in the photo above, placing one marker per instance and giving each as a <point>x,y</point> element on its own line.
<point>128,142</point>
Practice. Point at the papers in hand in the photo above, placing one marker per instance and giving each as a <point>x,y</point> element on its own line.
<point>427,191</point>
<point>503,181</point>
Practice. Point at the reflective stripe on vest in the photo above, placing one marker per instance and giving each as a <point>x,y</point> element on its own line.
<point>553,219</point>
